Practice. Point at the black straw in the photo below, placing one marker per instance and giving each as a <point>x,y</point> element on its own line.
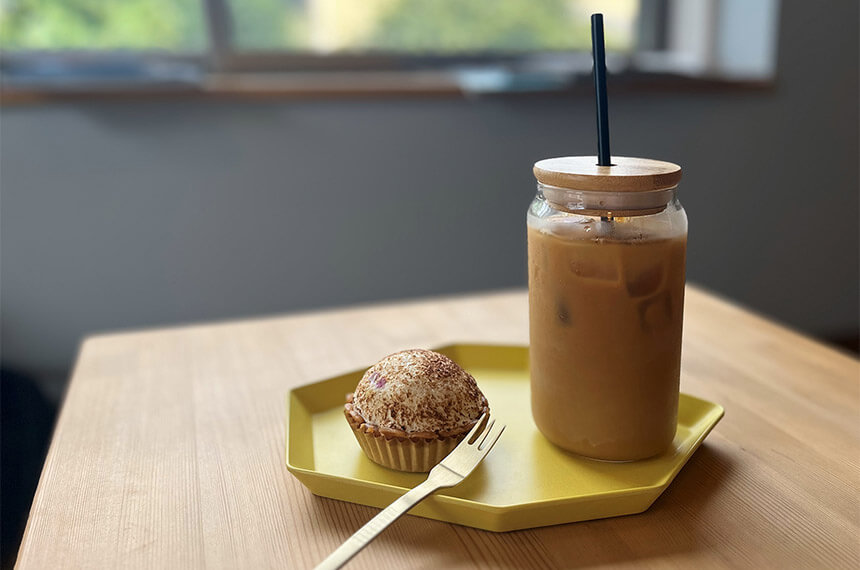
<point>598,50</point>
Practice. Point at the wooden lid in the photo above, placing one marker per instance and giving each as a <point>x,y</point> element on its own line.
<point>625,175</point>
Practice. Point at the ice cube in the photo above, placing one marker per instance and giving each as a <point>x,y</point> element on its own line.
<point>603,270</point>
<point>644,283</point>
<point>656,313</point>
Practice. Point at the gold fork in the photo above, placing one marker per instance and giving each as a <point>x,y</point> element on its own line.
<point>451,471</point>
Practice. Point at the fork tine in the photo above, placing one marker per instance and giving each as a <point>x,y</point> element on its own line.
<point>486,445</point>
<point>477,430</point>
<point>467,455</point>
<point>486,432</point>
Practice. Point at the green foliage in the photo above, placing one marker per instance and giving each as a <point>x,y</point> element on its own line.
<point>469,26</point>
<point>430,26</point>
<point>102,24</point>
<point>270,24</point>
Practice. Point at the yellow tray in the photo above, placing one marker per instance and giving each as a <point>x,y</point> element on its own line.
<point>524,482</point>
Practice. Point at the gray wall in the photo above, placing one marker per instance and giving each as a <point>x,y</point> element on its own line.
<point>121,214</point>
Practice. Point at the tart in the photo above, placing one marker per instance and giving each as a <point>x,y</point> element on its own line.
<point>412,408</point>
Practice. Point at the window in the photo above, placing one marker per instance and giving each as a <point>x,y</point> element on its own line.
<point>484,45</point>
<point>314,26</point>
<point>427,26</point>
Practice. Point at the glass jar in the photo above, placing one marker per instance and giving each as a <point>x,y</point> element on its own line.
<point>607,249</point>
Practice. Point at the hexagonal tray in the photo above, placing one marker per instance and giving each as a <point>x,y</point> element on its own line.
<point>524,482</point>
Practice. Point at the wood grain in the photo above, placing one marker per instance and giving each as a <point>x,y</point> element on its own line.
<point>626,174</point>
<point>168,452</point>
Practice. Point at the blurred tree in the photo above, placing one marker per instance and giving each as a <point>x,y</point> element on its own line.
<point>503,25</point>
<point>429,26</point>
<point>270,24</point>
<point>98,24</point>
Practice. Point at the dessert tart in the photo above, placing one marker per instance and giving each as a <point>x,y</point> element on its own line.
<point>412,408</point>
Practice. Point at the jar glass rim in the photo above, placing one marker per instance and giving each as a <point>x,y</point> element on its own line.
<point>607,203</point>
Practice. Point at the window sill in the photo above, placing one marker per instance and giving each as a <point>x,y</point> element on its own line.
<point>369,84</point>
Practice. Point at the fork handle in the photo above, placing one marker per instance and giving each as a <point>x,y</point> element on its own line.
<point>377,524</point>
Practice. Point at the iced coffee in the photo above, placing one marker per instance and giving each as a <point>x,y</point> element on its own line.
<point>606,297</point>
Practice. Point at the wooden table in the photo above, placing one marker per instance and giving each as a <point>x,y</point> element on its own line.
<point>168,452</point>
